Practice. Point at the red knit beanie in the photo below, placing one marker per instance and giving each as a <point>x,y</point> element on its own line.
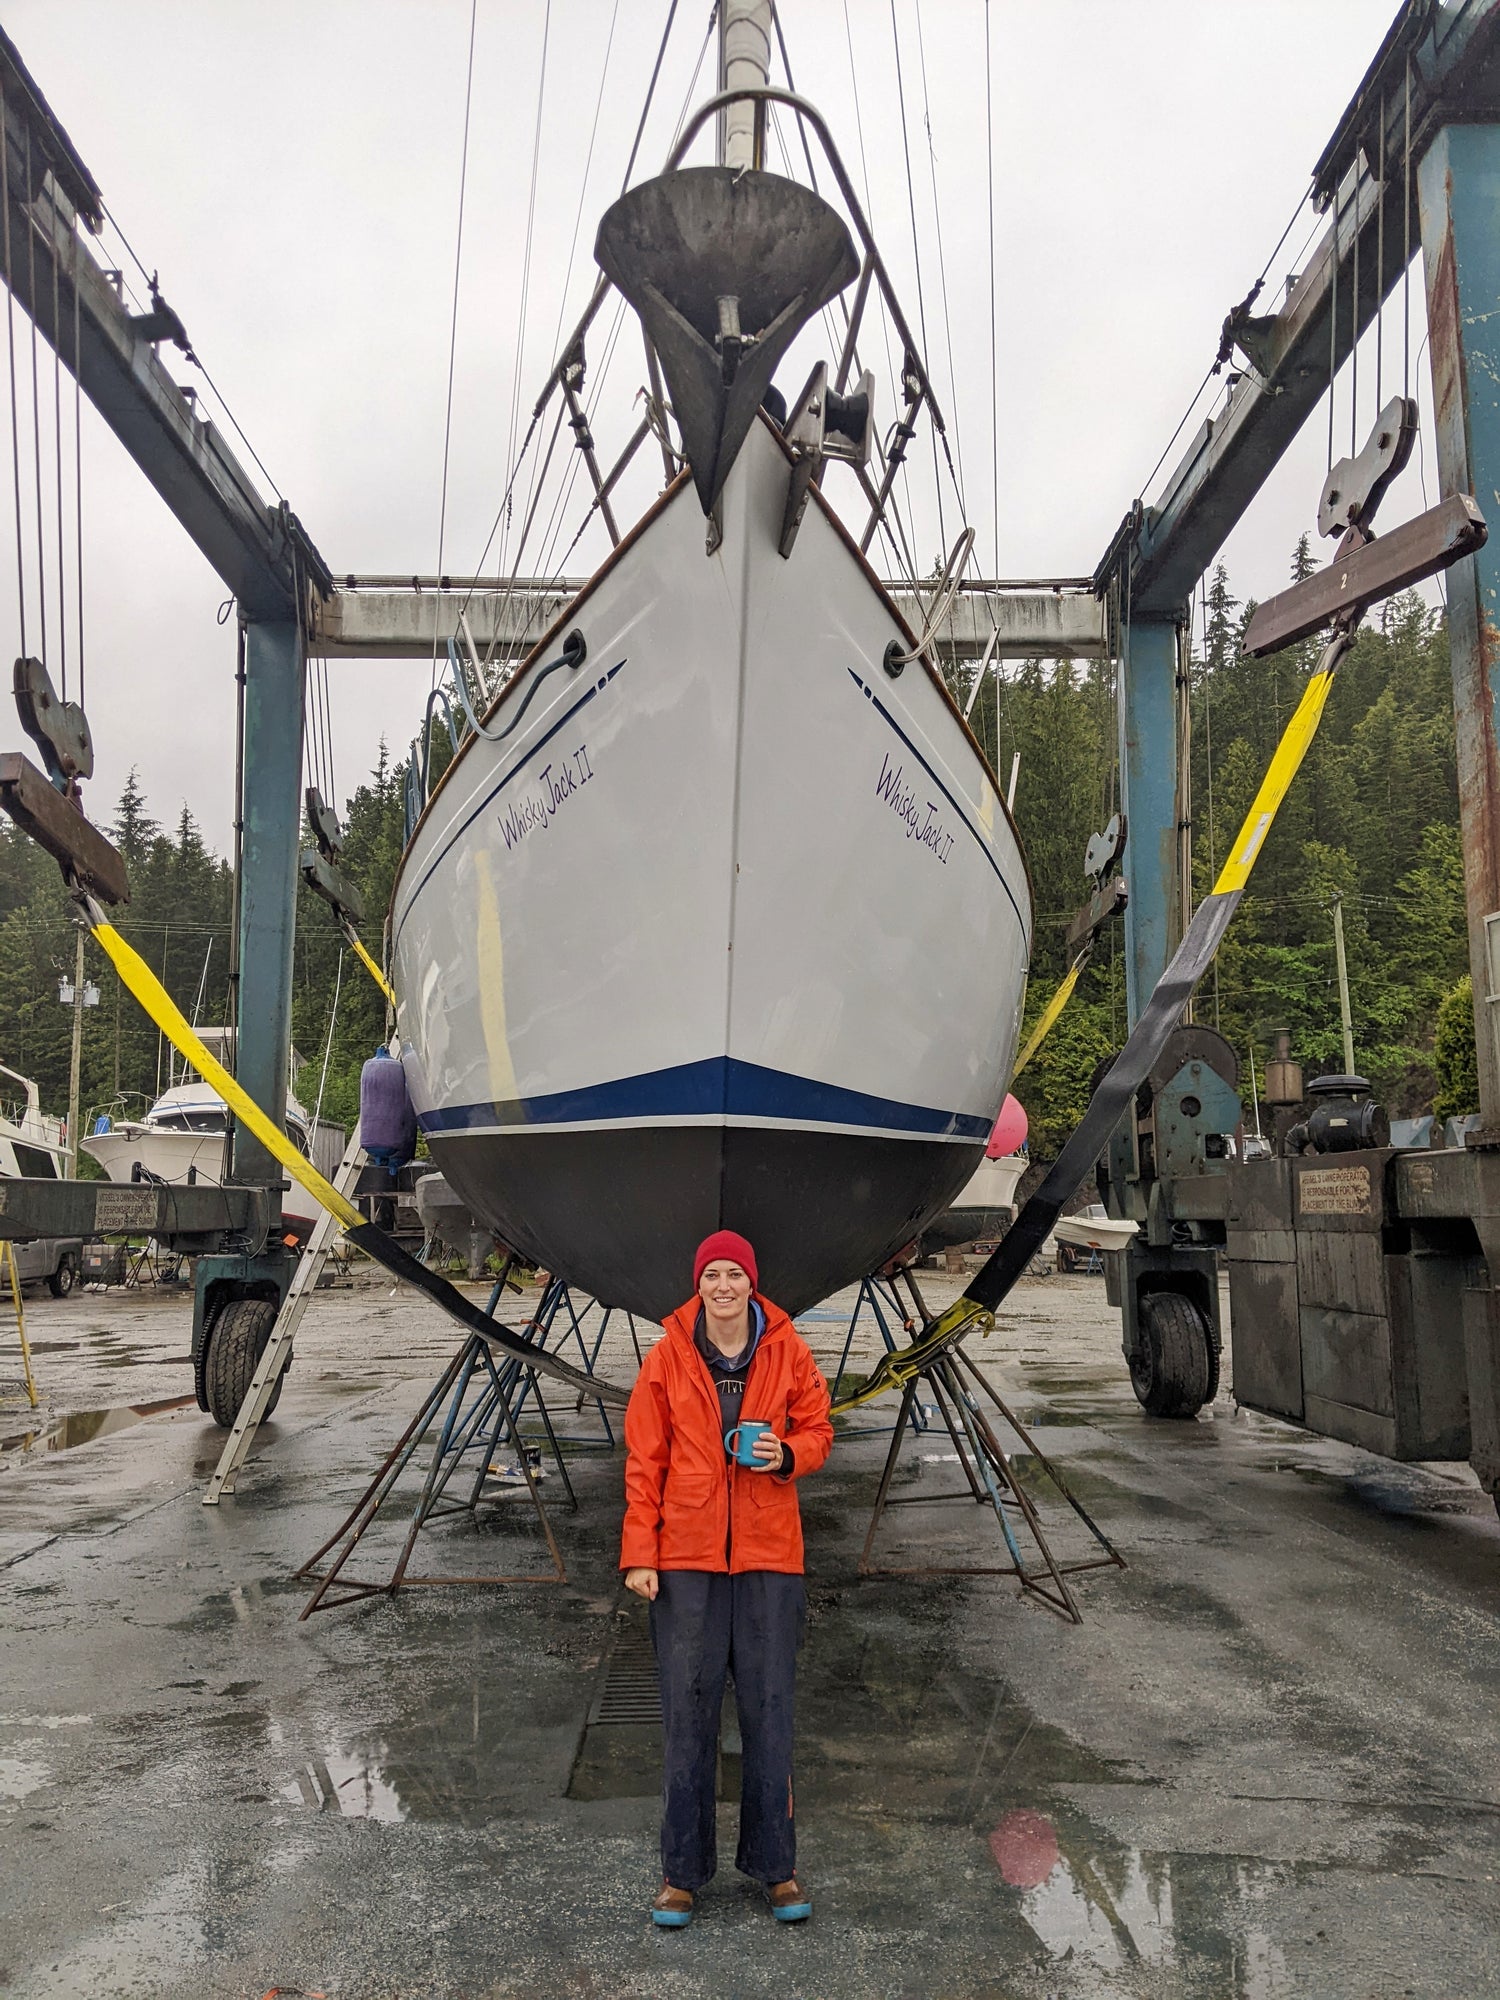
<point>733,1249</point>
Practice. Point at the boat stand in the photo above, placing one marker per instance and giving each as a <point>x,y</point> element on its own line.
<point>991,1476</point>
<point>879,1294</point>
<point>478,1416</point>
<point>560,1313</point>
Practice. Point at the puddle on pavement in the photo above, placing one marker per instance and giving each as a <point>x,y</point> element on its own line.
<point>84,1426</point>
<point>346,1785</point>
<point>1111,1908</point>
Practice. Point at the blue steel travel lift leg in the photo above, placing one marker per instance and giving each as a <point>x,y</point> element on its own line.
<point>1151,704</point>
<point>870,1294</point>
<point>236,1298</point>
<point>1458,189</point>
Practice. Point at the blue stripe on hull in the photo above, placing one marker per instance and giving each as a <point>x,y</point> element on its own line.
<point>719,1086</point>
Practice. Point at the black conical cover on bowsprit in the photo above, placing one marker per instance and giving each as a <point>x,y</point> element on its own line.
<point>677,245</point>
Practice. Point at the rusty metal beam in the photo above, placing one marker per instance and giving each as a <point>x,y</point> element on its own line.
<point>1454,52</point>
<point>256,549</point>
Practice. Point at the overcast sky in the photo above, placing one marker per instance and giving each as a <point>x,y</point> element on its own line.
<point>292,171</point>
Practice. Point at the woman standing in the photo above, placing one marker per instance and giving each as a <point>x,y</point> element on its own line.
<point>728,1411</point>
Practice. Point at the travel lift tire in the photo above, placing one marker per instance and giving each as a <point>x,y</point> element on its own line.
<point>1172,1370</point>
<point>236,1341</point>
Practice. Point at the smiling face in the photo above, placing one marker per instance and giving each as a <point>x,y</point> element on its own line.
<point>725,1291</point>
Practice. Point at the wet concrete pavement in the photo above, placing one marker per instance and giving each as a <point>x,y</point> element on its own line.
<point>1266,1764</point>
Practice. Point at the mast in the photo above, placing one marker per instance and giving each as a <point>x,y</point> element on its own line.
<point>744,64</point>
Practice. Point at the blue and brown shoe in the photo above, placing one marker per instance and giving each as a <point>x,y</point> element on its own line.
<point>673,1908</point>
<point>790,1902</point>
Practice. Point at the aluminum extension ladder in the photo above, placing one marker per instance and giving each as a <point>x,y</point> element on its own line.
<point>277,1351</point>
<point>10,1296</point>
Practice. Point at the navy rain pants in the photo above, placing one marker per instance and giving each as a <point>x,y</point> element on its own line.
<point>704,1623</point>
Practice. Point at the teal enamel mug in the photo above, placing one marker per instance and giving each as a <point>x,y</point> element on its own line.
<point>740,1444</point>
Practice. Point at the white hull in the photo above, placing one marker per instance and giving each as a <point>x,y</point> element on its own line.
<point>733,927</point>
<point>179,1156</point>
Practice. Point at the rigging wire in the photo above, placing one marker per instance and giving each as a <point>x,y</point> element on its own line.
<point>15,419</point>
<point>588,161</point>
<point>651,88</point>
<point>458,258</point>
<point>937,221</point>
<point>885,323</point>
<point>916,252</point>
<point>520,362</point>
<point>218,394</point>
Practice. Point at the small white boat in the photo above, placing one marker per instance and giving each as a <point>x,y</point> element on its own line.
<point>182,1140</point>
<point>984,1206</point>
<point>1093,1229</point>
<point>32,1145</point>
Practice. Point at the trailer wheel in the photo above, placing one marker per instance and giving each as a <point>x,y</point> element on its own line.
<point>65,1277</point>
<point>1172,1371</point>
<point>236,1342</point>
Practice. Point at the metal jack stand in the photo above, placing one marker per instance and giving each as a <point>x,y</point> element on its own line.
<point>557,1311</point>
<point>479,1416</point>
<point>879,1293</point>
<point>990,1472</point>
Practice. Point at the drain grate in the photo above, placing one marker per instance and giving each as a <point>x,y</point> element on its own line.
<point>628,1692</point>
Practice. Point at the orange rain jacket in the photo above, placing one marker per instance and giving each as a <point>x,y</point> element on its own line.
<point>688,1505</point>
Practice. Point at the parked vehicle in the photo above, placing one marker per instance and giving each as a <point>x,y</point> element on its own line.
<point>34,1147</point>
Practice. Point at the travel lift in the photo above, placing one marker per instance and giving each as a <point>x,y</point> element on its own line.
<point>1431,100</point>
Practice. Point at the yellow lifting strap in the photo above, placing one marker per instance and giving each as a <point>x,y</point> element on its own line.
<point>369,964</point>
<point>1189,963</point>
<point>158,1003</point>
<point>1050,1012</point>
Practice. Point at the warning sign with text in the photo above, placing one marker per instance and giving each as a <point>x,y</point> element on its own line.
<point>1335,1191</point>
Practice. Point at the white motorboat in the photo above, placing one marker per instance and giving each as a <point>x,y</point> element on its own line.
<point>32,1145</point>
<point>718,916</point>
<point>182,1139</point>
<point>983,1207</point>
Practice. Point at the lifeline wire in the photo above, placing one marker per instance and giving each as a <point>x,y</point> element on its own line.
<point>458,259</point>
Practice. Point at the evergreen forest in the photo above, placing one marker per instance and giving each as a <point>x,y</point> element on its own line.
<point>1372,818</point>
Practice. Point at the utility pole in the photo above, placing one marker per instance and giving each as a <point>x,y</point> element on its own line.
<point>1338,947</point>
<point>76,1063</point>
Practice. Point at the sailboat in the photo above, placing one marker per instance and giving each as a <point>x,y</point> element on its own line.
<point>718,916</point>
